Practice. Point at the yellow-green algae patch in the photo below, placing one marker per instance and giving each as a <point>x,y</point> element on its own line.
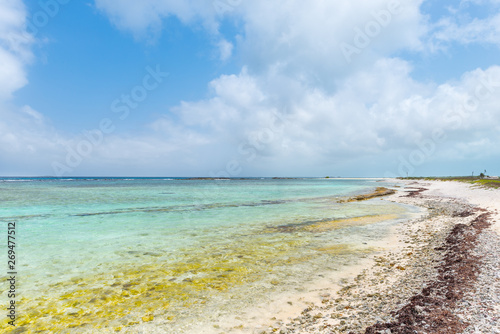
<point>324,226</point>
<point>328,225</point>
<point>345,249</point>
<point>336,249</point>
<point>126,296</point>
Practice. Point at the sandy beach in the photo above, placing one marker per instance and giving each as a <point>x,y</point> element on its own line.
<point>428,261</point>
<point>439,274</point>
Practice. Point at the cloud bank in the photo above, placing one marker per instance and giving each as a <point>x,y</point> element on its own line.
<point>323,89</point>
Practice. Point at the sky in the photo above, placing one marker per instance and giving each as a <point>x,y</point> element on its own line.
<point>237,88</point>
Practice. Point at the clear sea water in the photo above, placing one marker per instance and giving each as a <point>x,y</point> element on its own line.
<point>104,255</point>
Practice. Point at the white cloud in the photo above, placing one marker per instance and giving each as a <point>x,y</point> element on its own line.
<point>378,113</point>
<point>144,18</point>
<point>376,116</point>
<point>15,45</point>
<point>12,74</point>
<point>305,37</point>
<point>469,22</point>
<point>27,141</point>
<point>296,107</point>
<point>482,31</point>
<point>25,136</point>
<point>225,49</point>
<point>296,37</point>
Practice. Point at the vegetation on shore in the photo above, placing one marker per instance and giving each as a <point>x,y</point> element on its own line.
<point>477,180</point>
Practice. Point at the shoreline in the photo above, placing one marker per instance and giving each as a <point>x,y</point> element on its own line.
<point>442,277</point>
<point>376,285</point>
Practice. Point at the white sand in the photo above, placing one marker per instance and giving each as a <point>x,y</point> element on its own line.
<point>486,198</point>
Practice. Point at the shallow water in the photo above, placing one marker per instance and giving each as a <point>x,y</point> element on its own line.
<point>108,254</point>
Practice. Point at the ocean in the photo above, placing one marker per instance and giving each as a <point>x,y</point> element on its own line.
<point>107,254</point>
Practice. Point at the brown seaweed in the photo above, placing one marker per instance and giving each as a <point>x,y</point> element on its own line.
<point>433,310</point>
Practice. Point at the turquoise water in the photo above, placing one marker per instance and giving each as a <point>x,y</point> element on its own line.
<point>109,254</point>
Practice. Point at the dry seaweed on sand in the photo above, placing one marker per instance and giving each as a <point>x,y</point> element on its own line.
<point>432,310</point>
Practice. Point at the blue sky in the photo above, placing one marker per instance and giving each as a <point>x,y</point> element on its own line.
<point>359,88</point>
